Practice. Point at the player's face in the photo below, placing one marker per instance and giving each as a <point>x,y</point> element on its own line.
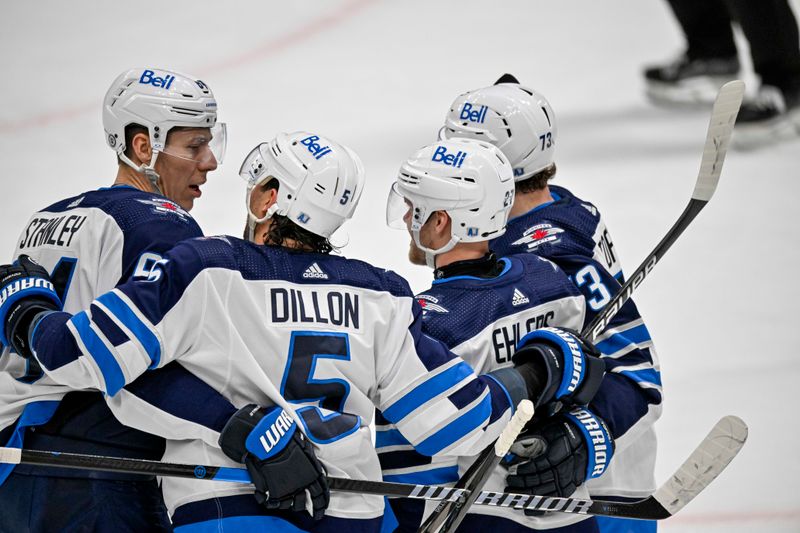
<point>184,164</point>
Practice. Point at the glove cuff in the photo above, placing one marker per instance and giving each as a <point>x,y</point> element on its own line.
<point>599,442</point>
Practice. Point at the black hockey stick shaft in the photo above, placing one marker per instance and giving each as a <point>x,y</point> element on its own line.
<point>213,473</point>
<point>720,128</point>
<point>723,118</point>
<point>704,464</point>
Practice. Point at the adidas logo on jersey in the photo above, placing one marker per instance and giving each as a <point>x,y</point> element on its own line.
<point>314,272</point>
<point>519,298</point>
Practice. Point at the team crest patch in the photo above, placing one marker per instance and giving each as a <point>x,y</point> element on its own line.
<point>537,235</point>
<point>166,207</point>
<point>430,303</point>
<point>592,209</point>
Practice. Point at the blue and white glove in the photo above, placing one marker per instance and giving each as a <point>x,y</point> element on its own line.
<point>279,458</point>
<point>557,455</point>
<point>558,365</point>
<point>25,292</point>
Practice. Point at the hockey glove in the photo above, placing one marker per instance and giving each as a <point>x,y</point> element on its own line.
<point>558,455</point>
<point>25,291</point>
<point>279,458</point>
<point>557,365</point>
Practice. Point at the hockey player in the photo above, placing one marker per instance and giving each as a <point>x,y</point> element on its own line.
<point>323,338</point>
<point>522,124</point>
<point>461,210</point>
<point>552,223</point>
<point>163,128</point>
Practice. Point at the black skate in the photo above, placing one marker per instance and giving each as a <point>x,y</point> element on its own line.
<point>772,116</point>
<point>690,81</point>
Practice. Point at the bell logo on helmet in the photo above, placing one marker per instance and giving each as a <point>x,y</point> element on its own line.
<point>303,218</point>
<point>478,115</point>
<point>472,232</point>
<point>316,150</point>
<point>148,78</point>
<point>452,160</point>
<point>519,172</point>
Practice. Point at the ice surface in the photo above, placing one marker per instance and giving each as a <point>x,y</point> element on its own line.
<point>379,76</point>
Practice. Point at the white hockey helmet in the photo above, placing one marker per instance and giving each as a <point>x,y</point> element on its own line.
<point>159,100</point>
<point>512,117</point>
<point>320,180</point>
<point>471,180</point>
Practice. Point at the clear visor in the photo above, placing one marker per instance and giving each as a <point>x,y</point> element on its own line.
<point>397,208</point>
<point>201,145</point>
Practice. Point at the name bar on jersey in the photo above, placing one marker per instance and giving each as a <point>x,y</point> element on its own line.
<point>58,231</point>
<point>304,306</point>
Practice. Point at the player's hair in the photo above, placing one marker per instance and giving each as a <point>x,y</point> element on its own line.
<point>536,182</point>
<point>283,229</point>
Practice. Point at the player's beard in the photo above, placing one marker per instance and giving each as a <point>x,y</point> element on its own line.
<point>415,255</point>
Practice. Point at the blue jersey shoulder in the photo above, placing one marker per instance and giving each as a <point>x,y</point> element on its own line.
<point>457,309</point>
<point>149,222</point>
<point>256,262</point>
<point>563,227</point>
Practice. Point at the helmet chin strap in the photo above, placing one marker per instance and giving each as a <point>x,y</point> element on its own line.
<point>430,254</point>
<point>148,170</point>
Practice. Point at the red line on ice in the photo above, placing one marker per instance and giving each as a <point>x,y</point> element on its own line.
<point>268,48</point>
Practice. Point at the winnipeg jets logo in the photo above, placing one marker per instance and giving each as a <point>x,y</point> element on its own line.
<point>75,203</point>
<point>430,303</point>
<point>166,207</point>
<point>537,235</point>
<point>519,298</point>
<point>592,209</point>
<point>314,272</point>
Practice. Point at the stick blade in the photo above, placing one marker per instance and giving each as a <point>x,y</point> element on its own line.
<point>706,462</point>
<point>720,128</point>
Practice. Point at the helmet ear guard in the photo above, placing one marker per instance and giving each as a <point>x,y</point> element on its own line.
<point>512,117</point>
<point>321,181</point>
<point>470,180</point>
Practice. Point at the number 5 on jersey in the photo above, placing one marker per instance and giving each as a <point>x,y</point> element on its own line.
<point>299,385</point>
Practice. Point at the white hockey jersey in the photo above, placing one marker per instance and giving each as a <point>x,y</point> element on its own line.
<point>327,338</point>
<point>89,243</point>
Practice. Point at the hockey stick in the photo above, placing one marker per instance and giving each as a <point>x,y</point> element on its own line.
<point>445,519</point>
<point>720,128</point>
<point>703,465</point>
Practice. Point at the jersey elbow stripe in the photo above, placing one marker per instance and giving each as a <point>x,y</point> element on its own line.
<point>428,390</point>
<point>96,348</point>
<point>128,318</point>
<point>471,421</point>
<point>620,341</point>
<point>391,437</point>
<point>645,377</point>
